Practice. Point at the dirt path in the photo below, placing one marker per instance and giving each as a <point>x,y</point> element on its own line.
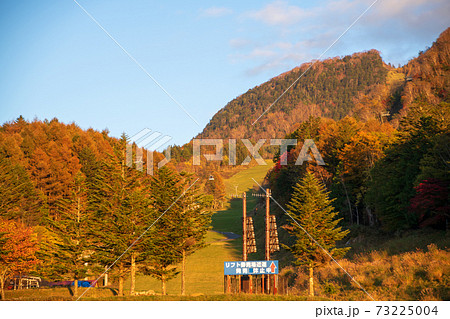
<point>228,234</point>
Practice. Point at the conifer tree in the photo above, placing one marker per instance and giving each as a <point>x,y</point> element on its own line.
<point>168,236</point>
<point>72,252</point>
<point>122,213</point>
<point>18,199</point>
<point>311,208</point>
<point>195,221</point>
<point>424,125</point>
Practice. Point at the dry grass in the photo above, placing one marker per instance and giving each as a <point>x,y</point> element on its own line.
<point>96,294</point>
<point>417,275</point>
<point>57,294</point>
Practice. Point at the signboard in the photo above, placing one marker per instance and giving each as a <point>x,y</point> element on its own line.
<point>263,267</point>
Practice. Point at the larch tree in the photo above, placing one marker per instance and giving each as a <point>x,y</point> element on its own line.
<point>357,158</point>
<point>18,199</point>
<point>311,208</point>
<point>214,186</point>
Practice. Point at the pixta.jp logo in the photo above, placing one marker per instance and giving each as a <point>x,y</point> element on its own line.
<point>145,140</point>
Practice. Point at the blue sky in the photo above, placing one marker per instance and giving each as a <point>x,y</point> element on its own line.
<point>56,62</point>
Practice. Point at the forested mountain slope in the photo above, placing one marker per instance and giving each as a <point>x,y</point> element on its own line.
<point>361,85</point>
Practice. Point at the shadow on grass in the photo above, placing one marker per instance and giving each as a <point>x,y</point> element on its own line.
<point>229,220</point>
<point>114,291</point>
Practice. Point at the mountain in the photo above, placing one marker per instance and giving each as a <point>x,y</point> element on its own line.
<point>360,85</point>
<point>428,75</point>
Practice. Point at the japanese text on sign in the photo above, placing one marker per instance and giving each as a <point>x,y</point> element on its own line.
<point>251,267</point>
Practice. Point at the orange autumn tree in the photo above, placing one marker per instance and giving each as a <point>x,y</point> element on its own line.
<point>17,251</point>
<point>356,160</point>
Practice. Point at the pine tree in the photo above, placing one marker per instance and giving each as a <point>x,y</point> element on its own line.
<point>168,237</point>
<point>122,213</point>
<point>72,228</point>
<point>312,209</point>
<point>195,221</point>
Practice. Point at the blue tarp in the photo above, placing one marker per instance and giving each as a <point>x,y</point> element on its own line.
<point>82,283</point>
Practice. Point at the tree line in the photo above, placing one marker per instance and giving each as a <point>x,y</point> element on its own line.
<point>391,179</point>
<point>81,208</point>
<point>380,176</point>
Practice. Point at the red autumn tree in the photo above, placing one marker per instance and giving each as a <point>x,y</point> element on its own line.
<point>431,203</point>
<point>17,251</point>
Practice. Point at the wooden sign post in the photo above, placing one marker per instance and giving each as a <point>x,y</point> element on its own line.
<point>245,231</point>
<point>244,271</point>
<point>266,282</point>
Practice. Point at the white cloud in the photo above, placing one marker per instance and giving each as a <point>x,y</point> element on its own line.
<point>214,12</point>
<point>270,65</point>
<point>261,53</point>
<point>279,13</point>
<point>240,43</point>
<point>400,7</point>
<point>412,14</point>
<point>288,60</point>
<point>291,34</point>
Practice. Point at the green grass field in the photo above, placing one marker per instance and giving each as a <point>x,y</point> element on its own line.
<point>229,219</point>
<point>243,179</point>
<point>204,270</point>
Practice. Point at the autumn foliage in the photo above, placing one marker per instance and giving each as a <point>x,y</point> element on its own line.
<point>17,251</point>
<point>431,203</point>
